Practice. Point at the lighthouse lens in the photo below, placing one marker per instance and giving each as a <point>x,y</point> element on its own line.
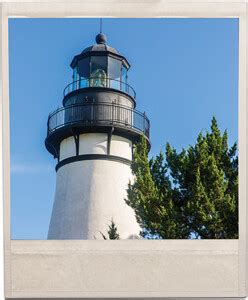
<point>98,69</point>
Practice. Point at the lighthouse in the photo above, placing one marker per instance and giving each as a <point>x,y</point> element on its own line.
<point>92,137</point>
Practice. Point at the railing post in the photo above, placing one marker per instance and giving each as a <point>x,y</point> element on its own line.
<point>132,112</point>
<point>92,112</point>
<point>112,107</point>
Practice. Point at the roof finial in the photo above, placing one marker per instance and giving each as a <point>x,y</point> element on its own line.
<point>100,25</point>
<point>101,38</point>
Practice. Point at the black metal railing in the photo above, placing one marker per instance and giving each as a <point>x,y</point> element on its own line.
<point>99,114</point>
<point>102,82</point>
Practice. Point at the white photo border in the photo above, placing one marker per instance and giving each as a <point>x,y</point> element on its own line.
<point>165,268</point>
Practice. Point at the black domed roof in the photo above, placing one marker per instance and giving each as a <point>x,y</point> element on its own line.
<point>101,45</point>
<point>100,48</point>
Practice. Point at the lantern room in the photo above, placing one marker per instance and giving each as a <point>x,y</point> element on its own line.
<point>100,66</point>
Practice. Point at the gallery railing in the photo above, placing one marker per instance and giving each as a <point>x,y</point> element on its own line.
<point>99,114</point>
<point>102,82</point>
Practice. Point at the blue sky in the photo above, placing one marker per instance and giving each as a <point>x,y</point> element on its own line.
<point>184,71</point>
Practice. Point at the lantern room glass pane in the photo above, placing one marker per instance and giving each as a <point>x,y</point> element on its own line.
<point>83,72</point>
<point>74,77</point>
<point>98,71</point>
<point>114,68</point>
<point>114,72</point>
<point>124,79</point>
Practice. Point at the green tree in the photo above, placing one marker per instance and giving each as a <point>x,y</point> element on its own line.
<point>112,232</point>
<point>190,194</point>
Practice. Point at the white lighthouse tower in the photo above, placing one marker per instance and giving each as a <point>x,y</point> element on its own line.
<point>92,136</point>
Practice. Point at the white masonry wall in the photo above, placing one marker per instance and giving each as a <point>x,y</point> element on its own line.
<point>90,193</point>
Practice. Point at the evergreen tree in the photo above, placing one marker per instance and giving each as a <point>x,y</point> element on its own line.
<point>112,232</point>
<point>193,193</point>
